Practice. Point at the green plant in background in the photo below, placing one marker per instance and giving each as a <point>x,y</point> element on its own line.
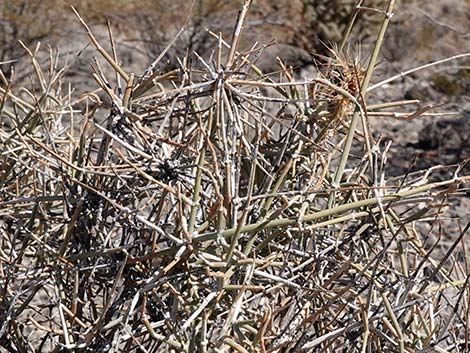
<point>452,84</point>
<point>324,22</point>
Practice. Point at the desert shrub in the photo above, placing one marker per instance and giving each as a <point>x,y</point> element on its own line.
<point>217,208</point>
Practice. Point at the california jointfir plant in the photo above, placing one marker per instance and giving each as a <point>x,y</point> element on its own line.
<point>217,208</point>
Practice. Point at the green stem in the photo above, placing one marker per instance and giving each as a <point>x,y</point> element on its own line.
<point>349,26</point>
<point>284,222</point>
<point>197,181</point>
<point>355,119</point>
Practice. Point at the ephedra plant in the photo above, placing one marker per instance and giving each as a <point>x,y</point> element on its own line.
<point>218,208</point>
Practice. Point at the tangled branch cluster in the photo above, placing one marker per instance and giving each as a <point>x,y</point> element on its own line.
<point>197,210</point>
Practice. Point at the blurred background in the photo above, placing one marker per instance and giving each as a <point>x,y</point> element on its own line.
<point>296,31</point>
